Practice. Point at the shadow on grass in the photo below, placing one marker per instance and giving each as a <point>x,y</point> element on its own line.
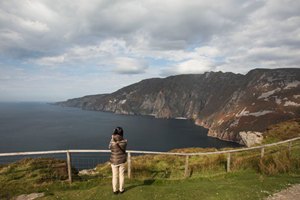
<point>146,182</point>
<point>165,174</point>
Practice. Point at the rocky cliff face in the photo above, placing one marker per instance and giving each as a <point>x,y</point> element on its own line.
<point>264,97</point>
<point>225,103</point>
<point>81,102</point>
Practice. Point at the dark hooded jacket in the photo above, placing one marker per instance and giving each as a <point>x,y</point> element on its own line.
<point>118,156</point>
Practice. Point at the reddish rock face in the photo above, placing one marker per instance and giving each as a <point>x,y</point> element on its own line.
<point>226,103</point>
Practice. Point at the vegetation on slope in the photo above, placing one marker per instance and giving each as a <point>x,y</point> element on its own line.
<point>276,158</point>
<point>282,131</point>
<point>161,176</point>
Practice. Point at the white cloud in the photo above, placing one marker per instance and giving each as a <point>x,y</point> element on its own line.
<point>100,54</point>
<point>126,37</point>
<point>34,25</point>
<point>14,37</point>
<point>50,60</point>
<point>130,65</point>
<point>209,51</point>
<point>189,67</point>
<point>157,29</point>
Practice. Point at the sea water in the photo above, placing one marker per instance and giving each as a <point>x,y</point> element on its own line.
<point>37,126</point>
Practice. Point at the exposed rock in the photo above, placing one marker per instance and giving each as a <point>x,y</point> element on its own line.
<point>29,196</point>
<point>87,171</point>
<point>81,102</point>
<point>291,193</point>
<point>225,135</point>
<point>250,138</point>
<point>225,103</point>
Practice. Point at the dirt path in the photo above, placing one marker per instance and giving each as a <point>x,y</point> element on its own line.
<point>288,194</point>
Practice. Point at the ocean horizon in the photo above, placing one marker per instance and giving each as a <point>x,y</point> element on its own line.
<point>39,126</point>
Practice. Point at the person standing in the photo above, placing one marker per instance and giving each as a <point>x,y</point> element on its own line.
<point>118,159</point>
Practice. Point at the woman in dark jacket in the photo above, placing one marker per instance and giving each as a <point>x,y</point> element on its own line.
<point>118,159</point>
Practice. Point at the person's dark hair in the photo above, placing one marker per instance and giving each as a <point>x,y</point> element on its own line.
<point>118,131</point>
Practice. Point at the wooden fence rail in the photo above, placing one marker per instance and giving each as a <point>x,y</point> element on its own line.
<point>69,162</point>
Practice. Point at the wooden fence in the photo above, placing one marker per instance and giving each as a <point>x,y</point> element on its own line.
<point>69,162</point>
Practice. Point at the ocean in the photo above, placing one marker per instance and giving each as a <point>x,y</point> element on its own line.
<point>38,126</point>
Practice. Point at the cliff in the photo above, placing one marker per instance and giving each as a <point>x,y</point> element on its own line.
<point>225,103</point>
<point>81,102</point>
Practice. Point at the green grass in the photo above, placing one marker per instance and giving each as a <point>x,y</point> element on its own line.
<point>162,176</point>
<point>282,131</point>
<point>276,160</point>
<point>235,185</point>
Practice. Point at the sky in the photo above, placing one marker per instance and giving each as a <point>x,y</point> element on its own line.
<point>54,50</point>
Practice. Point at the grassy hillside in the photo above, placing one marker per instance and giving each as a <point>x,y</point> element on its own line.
<point>276,159</point>
<point>239,185</point>
<point>282,131</point>
<point>162,176</point>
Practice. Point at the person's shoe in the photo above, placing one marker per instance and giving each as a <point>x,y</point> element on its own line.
<point>122,192</point>
<point>117,192</point>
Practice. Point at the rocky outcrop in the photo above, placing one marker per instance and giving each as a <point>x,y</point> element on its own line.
<point>225,103</point>
<point>250,138</point>
<point>226,135</point>
<point>30,196</point>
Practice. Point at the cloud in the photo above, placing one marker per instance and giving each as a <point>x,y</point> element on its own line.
<point>102,53</point>
<point>147,38</point>
<point>50,60</point>
<point>269,39</point>
<point>169,25</point>
<point>130,65</point>
<point>189,67</point>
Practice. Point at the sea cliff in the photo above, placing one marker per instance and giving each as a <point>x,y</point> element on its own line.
<point>225,103</point>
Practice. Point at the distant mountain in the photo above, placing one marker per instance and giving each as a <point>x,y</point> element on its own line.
<point>225,103</point>
<point>81,102</point>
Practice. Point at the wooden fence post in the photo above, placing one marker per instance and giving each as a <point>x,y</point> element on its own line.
<point>228,161</point>
<point>262,153</point>
<point>290,148</point>
<point>186,167</point>
<point>69,166</point>
<point>129,165</point>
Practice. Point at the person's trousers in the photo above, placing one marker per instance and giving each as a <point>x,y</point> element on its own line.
<point>118,171</point>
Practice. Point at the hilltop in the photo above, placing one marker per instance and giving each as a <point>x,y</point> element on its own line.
<point>227,104</point>
<point>161,176</point>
